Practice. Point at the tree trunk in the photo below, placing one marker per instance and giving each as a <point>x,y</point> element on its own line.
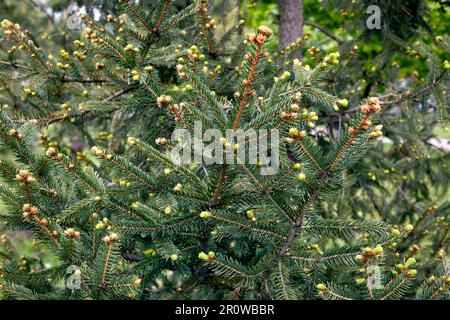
<point>291,22</point>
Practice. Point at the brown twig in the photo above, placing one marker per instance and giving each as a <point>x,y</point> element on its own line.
<point>325,31</point>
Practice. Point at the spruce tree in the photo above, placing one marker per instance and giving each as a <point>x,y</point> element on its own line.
<point>126,220</point>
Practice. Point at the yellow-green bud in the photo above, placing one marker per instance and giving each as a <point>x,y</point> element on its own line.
<point>343,102</point>
<point>293,131</point>
<point>431,279</point>
<point>205,214</point>
<point>399,266</point>
<point>321,287</point>
<point>100,226</point>
<point>411,273</point>
<point>410,262</point>
<point>378,249</point>
<point>203,256</point>
<point>285,75</point>
<point>446,65</point>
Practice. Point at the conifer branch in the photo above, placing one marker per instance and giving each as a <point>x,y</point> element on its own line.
<point>105,267</point>
<point>310,157</point>
<point>261,187</point>
<point>247,226</point>
<point>220,182</point>
<point>324,30</point>
<point>161,17</point>
<point>131,7</point>
<point>282,281</point>
<point>336,295</point>
<point>393,290</point>
<point>248,84</point>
